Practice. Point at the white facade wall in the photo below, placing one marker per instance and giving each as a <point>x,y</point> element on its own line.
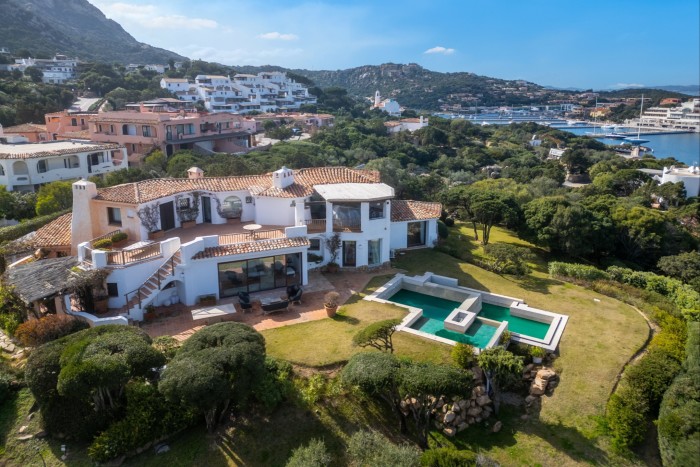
<point>399,234</point>
<point>690,178</point>
<point>18,173</point>
<point>274,211</point>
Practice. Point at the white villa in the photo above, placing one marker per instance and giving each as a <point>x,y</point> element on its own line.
<point>264,92</point>
<point>25,166</point>
<point>690,176</point>
<point>262,232</point>
<point>406,124</point>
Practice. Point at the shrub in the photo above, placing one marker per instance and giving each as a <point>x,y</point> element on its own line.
<point>51,327</point>
<point>443,232</point>
<point>652,376</point>
<point>447,457</point>
<point>276,383</point>
<point>167,345</point>
<point>314,454</point>
<point>537,352</point>
<point>463,355</point>
<point>576,271</point>
<point>449,221</point>
<point>148,417</point>
<point>6,381</point>
<point>10,323</point>
<point>369,448</point>
<point>103,244</point>
<point>626,416</point>
<point>504,258</point>
<point>119,236</point>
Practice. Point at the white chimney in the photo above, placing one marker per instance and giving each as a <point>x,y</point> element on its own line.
<point>282,178</point>
<point>81,225</point>
<point>195,172</point>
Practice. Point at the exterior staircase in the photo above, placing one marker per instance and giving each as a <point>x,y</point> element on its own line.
<point>140,298</point>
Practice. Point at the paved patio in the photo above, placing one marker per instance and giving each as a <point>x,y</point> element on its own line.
<point>176,320</point>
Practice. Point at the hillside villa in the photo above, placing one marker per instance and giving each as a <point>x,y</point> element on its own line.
<point>251,233</point>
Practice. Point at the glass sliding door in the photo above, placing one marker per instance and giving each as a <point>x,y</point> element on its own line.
<point>416,234</point>
<point>258,274</point>
<point>374,252</point>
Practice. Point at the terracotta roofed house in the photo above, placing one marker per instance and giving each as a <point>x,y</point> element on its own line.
<point>251,233</point>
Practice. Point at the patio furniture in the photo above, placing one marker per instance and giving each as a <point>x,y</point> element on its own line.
<point>274,306</point>
<point>294,294</point>
<point>244,301</point>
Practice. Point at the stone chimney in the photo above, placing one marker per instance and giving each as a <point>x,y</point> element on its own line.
<point>81,225</point>
<point>283,177</point>
<point>194,173</point>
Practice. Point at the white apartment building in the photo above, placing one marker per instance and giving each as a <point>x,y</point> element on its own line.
<point>57,70</point>
<point>690,176</point>
<point>244,93</point>
<point>23,167</point>
<point>683,117</point>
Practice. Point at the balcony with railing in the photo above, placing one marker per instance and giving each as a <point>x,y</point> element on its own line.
<point>315,225</point>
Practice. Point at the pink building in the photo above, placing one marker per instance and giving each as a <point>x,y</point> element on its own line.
<point>33,132</point>
<point>68,124</point>
<point>149,127</point>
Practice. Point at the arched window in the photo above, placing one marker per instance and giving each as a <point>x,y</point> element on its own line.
<point>232,207</point>
<point>2,170</point>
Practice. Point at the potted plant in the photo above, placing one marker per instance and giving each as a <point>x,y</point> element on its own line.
<point>150,219</point>
<point>119,239</point>
<point>330,303</point>
<point>537,354</point>
<point>333,244</point>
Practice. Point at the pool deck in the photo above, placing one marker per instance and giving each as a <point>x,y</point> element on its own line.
<point>448,288</point>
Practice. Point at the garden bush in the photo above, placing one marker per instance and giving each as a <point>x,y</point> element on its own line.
<point>6,383</point>
<point>447,457</point>
<point>370,448</point>
<point>652,376</point>
<point>51,327</point>
<point>314,454</point>
<point>576,271</point>
<point>449,221</point>
<point>167,345</point>
<point>627,417</point>
<point>119,236</point>
<point>463,355</point>
<point>103,244</point>
<point>443,232</point>
<point>275,385</point>
<point>149,417</point>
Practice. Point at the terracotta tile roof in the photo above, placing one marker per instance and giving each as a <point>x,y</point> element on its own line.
<point>55,233</point>
<point>259,185</point>
<point>25,128</point>
<point>258,246</point>
<point>406,210</point>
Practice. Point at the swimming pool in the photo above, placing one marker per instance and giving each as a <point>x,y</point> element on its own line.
<point>435,310</point>
<point>442,310</point>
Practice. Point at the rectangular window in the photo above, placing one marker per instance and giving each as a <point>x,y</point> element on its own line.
<point>183,203</point>
<point>115,216</point>
<point>112,289</point>
<point>314,244</point>
<point>41,166</point>
<point>111,129</point>
<point>376,210</point>
<point>146,131</point>
<point>73,122</point>
<point>415,234</point>
<point>374,252</point>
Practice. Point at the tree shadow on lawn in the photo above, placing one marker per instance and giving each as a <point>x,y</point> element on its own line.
<point>9,410</point>
<point>535,284</point>
<point>342,318</point>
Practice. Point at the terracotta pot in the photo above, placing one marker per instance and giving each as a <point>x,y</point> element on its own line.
<point>188,224</point>
<point>330,310</point>
<point>332,267</point>
<point>156,234</point>
<point>120,244</point>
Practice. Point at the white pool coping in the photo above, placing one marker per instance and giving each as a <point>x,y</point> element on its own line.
<point>471,299</point>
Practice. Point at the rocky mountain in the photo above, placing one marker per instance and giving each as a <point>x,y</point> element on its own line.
<point>71,27</point>
<point>419,88</point>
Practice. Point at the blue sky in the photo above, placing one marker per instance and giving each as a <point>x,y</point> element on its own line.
<point>590,43</point>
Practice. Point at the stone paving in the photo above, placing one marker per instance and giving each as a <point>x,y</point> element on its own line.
<point>9,347</point>
<point>180,325</point>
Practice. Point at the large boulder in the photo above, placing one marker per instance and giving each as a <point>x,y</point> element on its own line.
<point>546,374</point>
<point>450,416</point>
<point>483,400</point>
<point>450,431</point>
<point>474,412</point>
<point>538,387</point>
<point>497,427</point>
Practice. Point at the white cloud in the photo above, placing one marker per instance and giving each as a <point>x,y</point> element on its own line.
<point>440,50</point>
<point>150,16</point>
<point>276,36</point>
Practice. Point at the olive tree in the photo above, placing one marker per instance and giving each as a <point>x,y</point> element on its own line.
<point>214,368</point>
<point>377,335</point>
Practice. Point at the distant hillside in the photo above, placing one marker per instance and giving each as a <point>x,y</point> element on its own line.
<point>416,87</point>
<point>72,27</point>
<point>693,89</point>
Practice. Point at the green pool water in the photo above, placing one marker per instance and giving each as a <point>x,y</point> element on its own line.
<point>435,310</point>
<point>517,324</point>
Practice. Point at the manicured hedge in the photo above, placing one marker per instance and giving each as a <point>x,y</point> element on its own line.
<point>40,331</point>
<point>576,271</point>
<point>16,231</point>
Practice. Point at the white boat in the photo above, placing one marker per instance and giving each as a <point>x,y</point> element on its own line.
<point>637,141</point>
<point>607,127</point>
